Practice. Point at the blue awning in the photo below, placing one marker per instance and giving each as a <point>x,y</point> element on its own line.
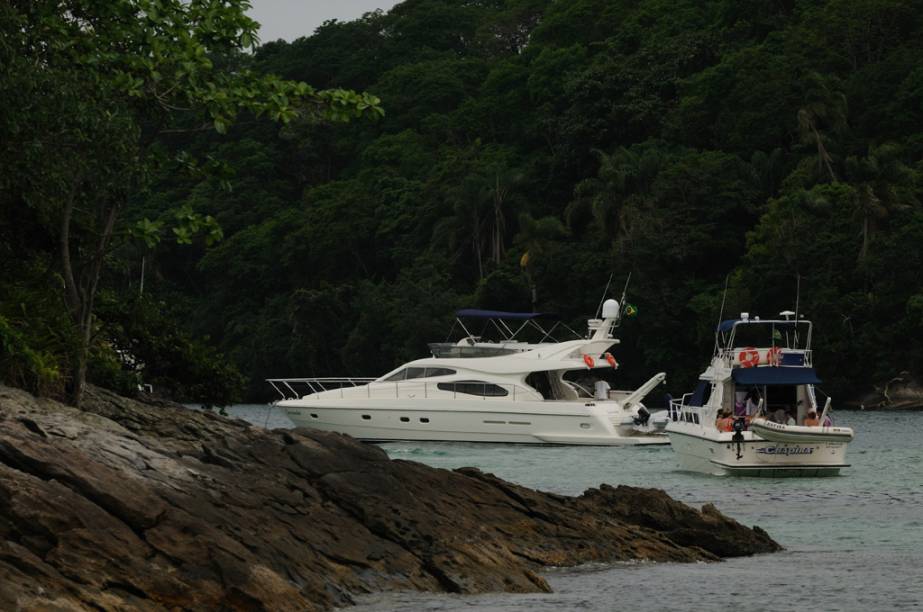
<point>477,313</point>
<point>775,376</point>
<point>698,396</point>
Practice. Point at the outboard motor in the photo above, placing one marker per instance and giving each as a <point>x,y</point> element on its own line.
<point>643,417</point>
<point>739,425</point>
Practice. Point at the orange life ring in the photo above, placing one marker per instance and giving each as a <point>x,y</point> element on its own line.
<point>749,357</point>
<point>611,360</point>
<point>588,361</point>
<point>774,356</point>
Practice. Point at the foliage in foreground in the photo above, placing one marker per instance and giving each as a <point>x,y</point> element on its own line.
<point>89,91</point>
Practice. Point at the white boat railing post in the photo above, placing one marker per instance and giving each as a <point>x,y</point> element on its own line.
<point>824,413</point>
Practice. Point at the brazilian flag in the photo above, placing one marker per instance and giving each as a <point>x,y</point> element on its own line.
<point>630,310</point>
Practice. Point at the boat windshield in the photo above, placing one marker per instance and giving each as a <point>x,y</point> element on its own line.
<point>781,333</point>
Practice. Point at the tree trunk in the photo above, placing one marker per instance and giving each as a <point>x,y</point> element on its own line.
<point>78,383</point>
<point>81,296</point>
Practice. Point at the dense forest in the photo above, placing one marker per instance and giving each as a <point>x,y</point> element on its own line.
<point>527,151</point>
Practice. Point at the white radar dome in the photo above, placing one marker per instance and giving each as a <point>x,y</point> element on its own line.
<point>610,309</point>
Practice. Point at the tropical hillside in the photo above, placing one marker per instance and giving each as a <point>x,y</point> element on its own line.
<point>528,150</point>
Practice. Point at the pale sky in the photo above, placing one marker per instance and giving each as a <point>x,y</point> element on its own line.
<point>291,19</point>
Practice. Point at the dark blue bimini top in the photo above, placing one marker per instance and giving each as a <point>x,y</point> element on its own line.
<point>477,313</point>
<point>775,376</point>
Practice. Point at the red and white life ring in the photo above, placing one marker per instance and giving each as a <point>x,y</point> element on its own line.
<point>774,356</point>
<point>749,357</point>
<point>608,357</point>
<point>588,361</point>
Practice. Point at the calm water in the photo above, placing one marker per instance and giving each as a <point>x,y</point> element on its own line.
<point>854,542</point>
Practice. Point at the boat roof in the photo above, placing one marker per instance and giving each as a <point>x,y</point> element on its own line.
<point>775,376</point>
<point>477,313</point>
<point>728,324</point>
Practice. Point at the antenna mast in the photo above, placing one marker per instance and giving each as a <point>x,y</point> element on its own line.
<point>624,293</point>
<point>724,298</point>
<point>797,300</point>
<point>603,299</point>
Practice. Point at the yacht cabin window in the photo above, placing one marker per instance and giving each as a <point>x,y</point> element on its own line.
<point>474,387</point>
<point>410,373</point>
<point>431,372</point>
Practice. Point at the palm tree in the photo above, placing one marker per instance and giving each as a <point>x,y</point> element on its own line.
<point>533,237</point>
<point>883,184</point>
<point>823,115</point>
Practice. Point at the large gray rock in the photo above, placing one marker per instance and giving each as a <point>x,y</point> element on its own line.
<point>131,505</point>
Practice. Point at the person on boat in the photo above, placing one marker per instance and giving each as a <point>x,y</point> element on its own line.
<point>811,420</point>
<point>789,419</point>
<point>752,401</point>
<point>740,408</point>
<point>779,415</point>
<point>601,389</point>
<point>725,420</point>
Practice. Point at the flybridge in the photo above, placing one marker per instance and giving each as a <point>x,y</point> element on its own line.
<point>501,322</point>
<point>751,342</point>
<point>490,333</point>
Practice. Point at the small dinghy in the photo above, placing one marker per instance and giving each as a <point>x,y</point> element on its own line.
<point>776,432</point>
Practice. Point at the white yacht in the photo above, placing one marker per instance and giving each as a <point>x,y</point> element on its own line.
<point>754,411</point>
<point>543,392</point>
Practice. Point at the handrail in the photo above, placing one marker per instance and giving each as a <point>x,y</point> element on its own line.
<point>414,388</point>
<point>729,355</point>
<point>314,385</point>
<point>678,406</point>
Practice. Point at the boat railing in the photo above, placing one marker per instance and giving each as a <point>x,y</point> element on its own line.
<point>305,388</point>
<point>294,388</point>
<point>787,357</point>
<point>681,411</point>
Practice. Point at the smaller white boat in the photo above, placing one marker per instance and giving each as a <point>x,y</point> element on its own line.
<point>755,411</point>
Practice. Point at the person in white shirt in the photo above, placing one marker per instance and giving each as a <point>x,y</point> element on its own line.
<point>602,390</point>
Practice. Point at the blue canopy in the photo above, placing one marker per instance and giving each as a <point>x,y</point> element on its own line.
<point>477,313</point>
<point>700,395</point>
<point>775,376</point>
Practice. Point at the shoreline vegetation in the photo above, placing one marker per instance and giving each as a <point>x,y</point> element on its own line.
<point>128,504</point>
<point>184,206</point>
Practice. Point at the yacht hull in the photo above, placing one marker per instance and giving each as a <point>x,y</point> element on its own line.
<point>571,423</point>
<point>718,454</point>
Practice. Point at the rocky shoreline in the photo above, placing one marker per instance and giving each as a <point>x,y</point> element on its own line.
<point>903,392</point>
<point>125,504</point>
